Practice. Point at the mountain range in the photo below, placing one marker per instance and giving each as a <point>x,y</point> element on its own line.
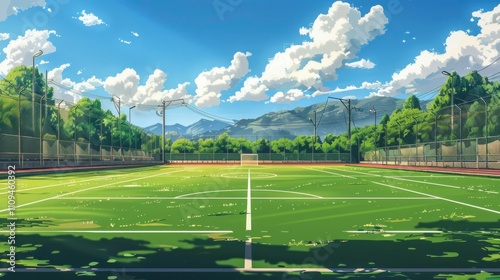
<point>331,118</point>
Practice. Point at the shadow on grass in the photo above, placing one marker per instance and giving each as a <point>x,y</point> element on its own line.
<point>461,225</point>
<point>24,223</point>
<point>67,251</point>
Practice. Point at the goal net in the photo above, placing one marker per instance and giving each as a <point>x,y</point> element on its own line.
<point>249,159</point>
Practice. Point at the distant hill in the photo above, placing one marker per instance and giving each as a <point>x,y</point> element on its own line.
<point>331,118</point>
<point>178,130</point>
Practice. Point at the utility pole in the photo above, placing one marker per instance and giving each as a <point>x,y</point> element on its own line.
<point>164,105</point>
<point>349,111</point>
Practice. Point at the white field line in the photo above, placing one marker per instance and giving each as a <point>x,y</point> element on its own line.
<point>64,184</point>
<point>241,190</point>
<point>88,189</point>
<point>249,205</point>
<point>362,173</point>
<point>248,253</point>
<point>242,198</point>
<point>429,176</point>
<point>123,231</point>
<point>248,242</point>
<point>437,197</point>
<point>342,175</point>
<point>393,231</point>
<point>417,231</point>
<point>420,182</point>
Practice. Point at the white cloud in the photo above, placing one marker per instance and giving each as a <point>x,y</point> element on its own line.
<point>79,72</point>
<point>335,37</point>
<point>125,42</point>
<point>71,91</point>
<point>126,86</point>
<point>364,85</point>
<point>363,63</point>
<point>13,7</point>
<point>4,36</point>
<point>42,62</point>
<point>20,51</point>
<point>463,53</point>
<point>135,34</point>
<point>252,90</point>
<point>211,83</point>
<point>90,19</point>
<point>288,97</point>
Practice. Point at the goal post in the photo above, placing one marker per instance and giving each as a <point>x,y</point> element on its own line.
<point>249,159</point>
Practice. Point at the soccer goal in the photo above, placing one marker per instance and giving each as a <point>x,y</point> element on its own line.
<point>249,159</point>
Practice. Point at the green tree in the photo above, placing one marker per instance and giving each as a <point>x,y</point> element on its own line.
<point>411,102</point>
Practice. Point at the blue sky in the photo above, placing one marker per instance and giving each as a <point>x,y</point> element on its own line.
<point>242,58</point>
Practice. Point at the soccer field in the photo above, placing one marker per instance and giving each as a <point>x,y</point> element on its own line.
<point>259,222</point>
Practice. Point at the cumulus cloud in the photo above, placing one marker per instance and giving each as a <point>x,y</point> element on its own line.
<point>210,84</point>
<point>135,34</point>
<point>4,36</point>
<point>13,7</point>
<point>20,51</point>
<point>252,90</point>
<point>42,62</point>
<point>126,86</point>
<point>334,38</point>
<point>363,63</point>
<point>90,19</point>
<point>69,90</point>
<point>463,52</point>
<point>288,97</point>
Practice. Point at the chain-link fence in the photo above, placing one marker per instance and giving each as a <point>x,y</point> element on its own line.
<point>466,153</point>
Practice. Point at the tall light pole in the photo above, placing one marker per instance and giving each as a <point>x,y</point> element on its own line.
<point>130,129</point>
<point>486,129</point>
<point>129,113</point>
<point>399,140</point>
<point>446,73</point>
<point>58,130</point>
<point>460,134</point>
<point>40,130</point>
<point>372,110</point>
<point>416,138</point>
<point>118,105</point>
<point>35,55</point>
<point>435,135</point>
<point>315,124</point>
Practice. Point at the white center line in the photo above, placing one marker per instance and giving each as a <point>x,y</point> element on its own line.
<point>249,205</point>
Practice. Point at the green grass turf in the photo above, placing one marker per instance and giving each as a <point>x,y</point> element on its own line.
<point>302,217</point>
